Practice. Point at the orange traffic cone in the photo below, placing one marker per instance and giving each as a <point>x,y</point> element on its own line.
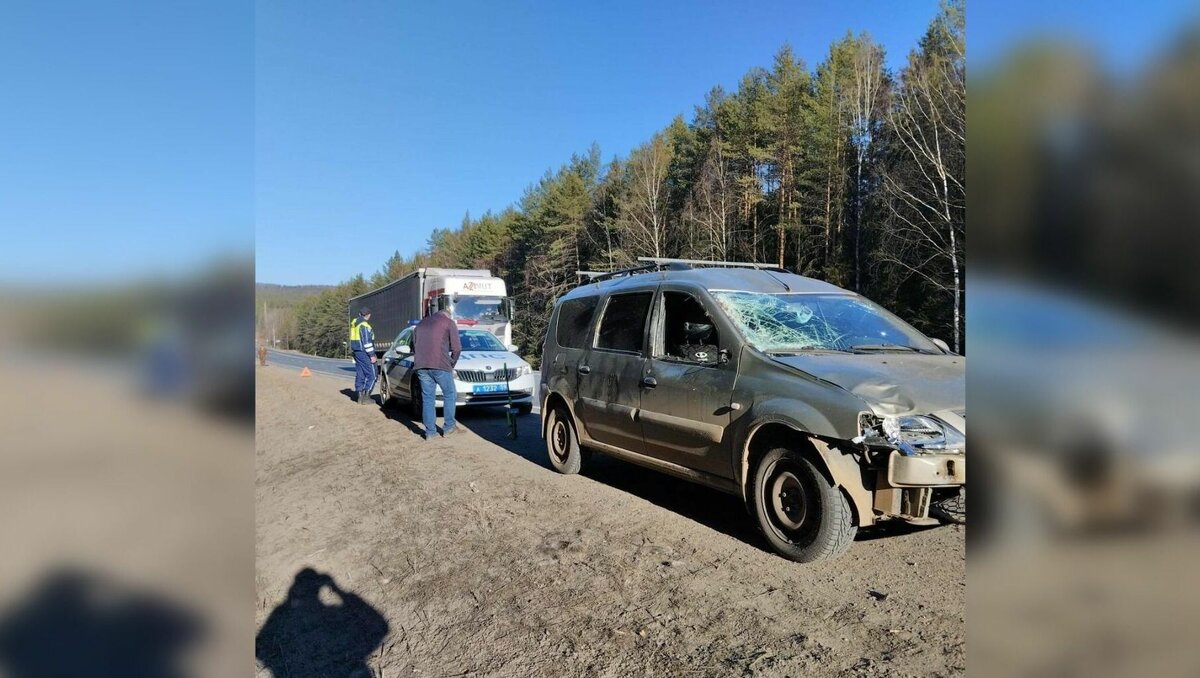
<point>305,372</point>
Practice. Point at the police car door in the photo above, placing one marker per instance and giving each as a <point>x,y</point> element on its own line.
<point>397,365</point>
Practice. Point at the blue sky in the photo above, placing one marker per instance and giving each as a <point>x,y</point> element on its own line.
<point>126,137</point>
<point>1122,35</point>
<point>379,123</point>
<point>139,136</point>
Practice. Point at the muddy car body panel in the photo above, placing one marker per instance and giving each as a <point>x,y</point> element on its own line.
<point>705,372</point>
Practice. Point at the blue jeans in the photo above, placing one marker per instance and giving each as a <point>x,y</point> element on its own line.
<point>364,372</point>
<point>430,379</point>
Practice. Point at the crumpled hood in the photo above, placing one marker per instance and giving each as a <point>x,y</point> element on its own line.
<point>892,383</point>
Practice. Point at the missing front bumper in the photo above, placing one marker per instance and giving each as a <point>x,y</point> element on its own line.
<point>926,470</point>
<point>905,488</point>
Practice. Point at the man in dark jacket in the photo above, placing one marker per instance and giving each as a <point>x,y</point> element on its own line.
<point>436,348</point>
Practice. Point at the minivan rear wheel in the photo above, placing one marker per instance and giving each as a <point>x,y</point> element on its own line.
<point>803,515</point>
<point>562,442</point>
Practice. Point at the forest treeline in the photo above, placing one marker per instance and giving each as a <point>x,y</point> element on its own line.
<point>847,172</point>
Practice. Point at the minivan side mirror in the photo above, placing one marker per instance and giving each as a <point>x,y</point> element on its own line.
<point>513,347</point>
<point>404,349</point>
<point>942,345</point>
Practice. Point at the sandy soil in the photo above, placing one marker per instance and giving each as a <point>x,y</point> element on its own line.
<point>469,556</point>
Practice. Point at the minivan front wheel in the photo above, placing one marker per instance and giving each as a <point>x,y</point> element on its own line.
<point>803,516</point>
<point>562,442</point>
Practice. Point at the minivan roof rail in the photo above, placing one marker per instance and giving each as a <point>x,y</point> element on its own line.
<point>667,264</point>
<point>689,263</point>
<point>597,276</point>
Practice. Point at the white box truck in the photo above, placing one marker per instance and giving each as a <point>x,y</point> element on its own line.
<point>477,298</point>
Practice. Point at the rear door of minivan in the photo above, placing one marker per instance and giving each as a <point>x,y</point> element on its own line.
<point>567,342</point>
<point>610,375</point>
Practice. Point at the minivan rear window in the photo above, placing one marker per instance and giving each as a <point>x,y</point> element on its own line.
<point>574,318</point>
<point>624,321</point>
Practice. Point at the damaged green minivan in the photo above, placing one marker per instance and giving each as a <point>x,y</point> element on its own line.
<point>823,411</point>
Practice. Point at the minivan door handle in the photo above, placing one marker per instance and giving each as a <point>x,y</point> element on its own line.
<point>583,369</point>
<point>649,382</point>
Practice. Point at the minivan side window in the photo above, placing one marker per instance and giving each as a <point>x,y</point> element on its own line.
<point>574,318</point>
<point>686,331</point>
<point>624,321</point>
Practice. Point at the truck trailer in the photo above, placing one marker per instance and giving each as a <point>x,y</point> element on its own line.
<point>477,299</point>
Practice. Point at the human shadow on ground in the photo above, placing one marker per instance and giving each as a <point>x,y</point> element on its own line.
<point>75,623</point>
<point>353,397</point>
<point>319,630</point>
<point>398,412</point>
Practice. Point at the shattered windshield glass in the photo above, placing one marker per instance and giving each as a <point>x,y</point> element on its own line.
<point>819,322</point>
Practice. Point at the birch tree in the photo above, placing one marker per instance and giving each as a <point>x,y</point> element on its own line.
<point>712,203</point>
<point>926,186</point>
<point>644,218</point>
<point>866,90</point>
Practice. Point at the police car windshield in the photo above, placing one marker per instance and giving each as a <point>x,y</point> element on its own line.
<point>479,340</point>
<point>815,322</point>
<point>482,309</point>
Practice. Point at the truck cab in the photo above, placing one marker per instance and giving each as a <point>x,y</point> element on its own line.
<point>477,302</point>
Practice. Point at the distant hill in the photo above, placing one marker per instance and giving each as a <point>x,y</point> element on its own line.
<point>284,296</point>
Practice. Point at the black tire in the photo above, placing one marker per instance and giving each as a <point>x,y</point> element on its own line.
<point>414,400</point>
<point>524,408</point>
<point>951,509</point>
<point>562,442</point>
<point>386,400</point>
<point>803,516</point>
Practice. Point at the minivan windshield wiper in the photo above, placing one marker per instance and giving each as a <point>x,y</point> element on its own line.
<point>806,349</point>
<point>885,347</point>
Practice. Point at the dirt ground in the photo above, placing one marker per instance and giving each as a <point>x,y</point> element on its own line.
<point>381,554</point>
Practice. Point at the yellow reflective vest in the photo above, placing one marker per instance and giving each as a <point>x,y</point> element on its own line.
<point>362,337</point>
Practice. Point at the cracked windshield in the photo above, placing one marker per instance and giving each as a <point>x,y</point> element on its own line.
<point>819,322</point>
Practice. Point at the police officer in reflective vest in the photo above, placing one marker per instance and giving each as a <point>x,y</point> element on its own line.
<point>362,343</point>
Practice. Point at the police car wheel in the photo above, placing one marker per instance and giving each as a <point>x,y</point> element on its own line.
<point>386,401</point>
<point>414,400</point>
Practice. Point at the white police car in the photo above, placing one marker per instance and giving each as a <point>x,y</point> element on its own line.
<point>479,376</point>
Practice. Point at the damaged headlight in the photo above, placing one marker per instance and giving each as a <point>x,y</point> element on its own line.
<point>912,434</point>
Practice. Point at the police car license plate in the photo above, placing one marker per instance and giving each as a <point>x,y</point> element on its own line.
<point>489,388</point>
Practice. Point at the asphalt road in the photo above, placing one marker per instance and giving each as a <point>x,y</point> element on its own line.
<point>343,367</point>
